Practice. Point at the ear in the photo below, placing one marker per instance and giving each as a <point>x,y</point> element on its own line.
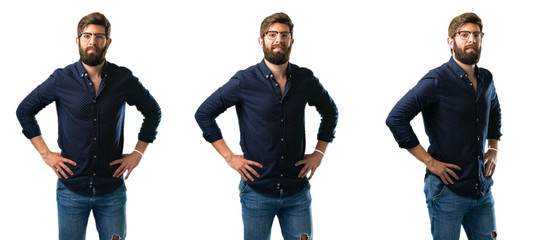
<point>109,42</point>
<point>77,39</point>
<point>260,41</point>
<point>450,42</point>
<point>292,41</point>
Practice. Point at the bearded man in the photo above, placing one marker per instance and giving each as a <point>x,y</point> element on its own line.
<point>90,98</point>
<point>270,99</point>
<point>461,113</point>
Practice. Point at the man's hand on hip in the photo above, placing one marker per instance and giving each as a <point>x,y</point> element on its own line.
<point>128,162</point>
<point>311,163</point>
<point>443,170</point>
<point>57,163</point>
<point>242,166</point>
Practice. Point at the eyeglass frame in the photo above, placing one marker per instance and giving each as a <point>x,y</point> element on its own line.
<point>481,34</point>
<point>278,33</point>
<point>97,35</point>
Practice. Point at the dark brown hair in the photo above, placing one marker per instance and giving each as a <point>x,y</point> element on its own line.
<point>459,21</point>
<point>275,18</point>
<point>97,19</point>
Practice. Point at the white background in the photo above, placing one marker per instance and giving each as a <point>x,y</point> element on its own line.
<point>366,54</point>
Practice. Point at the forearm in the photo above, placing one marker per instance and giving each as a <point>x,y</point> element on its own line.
<point>321,146</point>
<point>141,146</point>
<point>493,143</point>
<point>222,148</point>
<point>421,154</point>
<point>40,145</point>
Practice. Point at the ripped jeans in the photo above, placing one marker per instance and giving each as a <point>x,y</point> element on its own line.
<point>258,212</point>
<point>109,213</point>
<point>448,211</point>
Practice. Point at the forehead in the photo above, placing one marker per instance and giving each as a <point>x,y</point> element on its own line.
<point>472,27</point>
<point>280,27</point>
<point>93,28</point>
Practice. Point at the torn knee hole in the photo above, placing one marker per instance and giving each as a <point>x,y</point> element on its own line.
<point>304,237</point>
<point>494,234</point>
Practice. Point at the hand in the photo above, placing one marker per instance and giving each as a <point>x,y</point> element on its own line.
<point>57,163</point>
<point>128,162</point>
<point>443,170</point>
<point>311,163</point>
<point>242,166</point>
<point>490,162</point>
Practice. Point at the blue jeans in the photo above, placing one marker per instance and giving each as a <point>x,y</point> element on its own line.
<point>448,211</point>
<point>73,212</point>
<point>258,212</point>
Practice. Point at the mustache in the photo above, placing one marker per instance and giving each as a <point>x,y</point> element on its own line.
<point>92,48</point>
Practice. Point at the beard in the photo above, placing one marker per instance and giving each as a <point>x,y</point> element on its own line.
<point>467,58</point>
<point>278,58</point>
<point>92,59</point>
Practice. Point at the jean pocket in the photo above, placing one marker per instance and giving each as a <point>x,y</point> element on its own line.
<point>434,187</point>
<point>243,187</point>
<point>60,186</point>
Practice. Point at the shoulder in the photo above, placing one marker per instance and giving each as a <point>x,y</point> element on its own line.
<point>302,72</point>
<point>65,74</point>
<point>250,75</point>
<point>116,70</point>
<point>485,73</point>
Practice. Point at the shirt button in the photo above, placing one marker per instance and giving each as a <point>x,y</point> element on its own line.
<point>94,174</point>
<point>282,139</point>
<point>478,139</point>
<point>276,84</point>
<point>94,119</point>
<point>281,120</point>
<point>94,139</point>
<point>282,157</point>
<point>90,84</point>
<point>94,156</point>
<point>282,175</point>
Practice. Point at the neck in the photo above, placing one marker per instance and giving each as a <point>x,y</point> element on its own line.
<point>93,70</point>
<point>469,69</point>
<point>277,70</point>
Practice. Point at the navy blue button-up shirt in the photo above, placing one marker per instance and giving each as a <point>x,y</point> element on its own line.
<point>457,121</point>
<point>91,126</point>
<point>271,123</point>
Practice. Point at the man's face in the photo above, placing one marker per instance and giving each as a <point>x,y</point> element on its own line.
<point>467,50</point>
<point>277,44</point>
<point>93,44</point>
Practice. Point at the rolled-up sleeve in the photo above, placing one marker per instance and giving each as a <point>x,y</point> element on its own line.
<point>328,111</point>
<point>149,108</point>
<point>38,99</point>
<point>222,99</point>
<point>421,97</point>
<point>495,118</point>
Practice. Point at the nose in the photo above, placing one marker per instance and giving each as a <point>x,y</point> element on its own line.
<point>278,38</point>
<point>471,38</point>
<point>92,40</point>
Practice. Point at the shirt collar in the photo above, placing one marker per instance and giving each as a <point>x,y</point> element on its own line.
<point>460,72</point>
<point>82,72</point>
<point>267,73</point>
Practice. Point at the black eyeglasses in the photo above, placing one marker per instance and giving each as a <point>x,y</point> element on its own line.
<point>273,34</point>
<point>86,37</point>
<point>466,34</point>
